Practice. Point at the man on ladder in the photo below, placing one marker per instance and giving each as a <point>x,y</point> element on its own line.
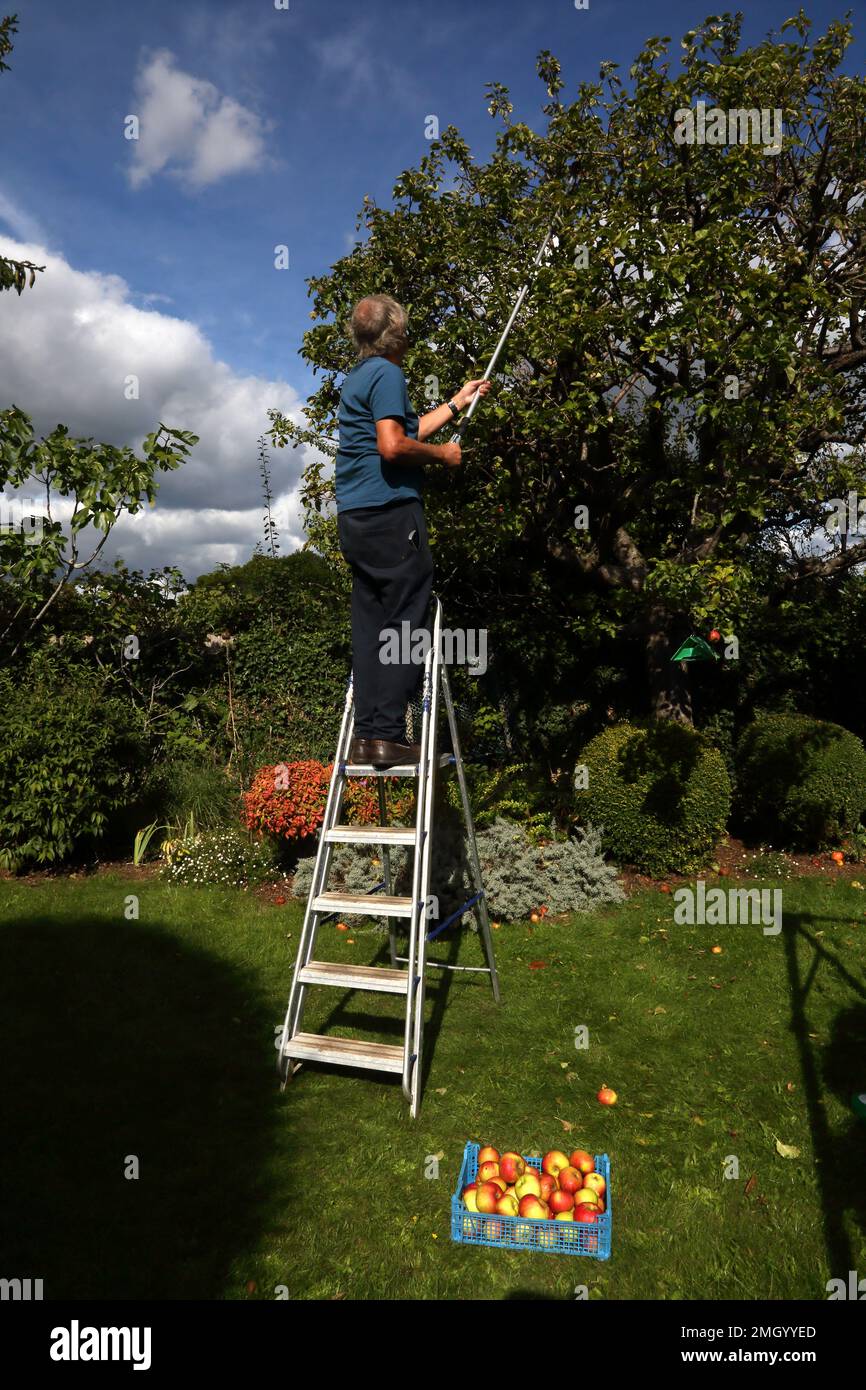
<point>380,517</point>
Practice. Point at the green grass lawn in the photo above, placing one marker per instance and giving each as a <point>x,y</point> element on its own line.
<point>154,1038</point>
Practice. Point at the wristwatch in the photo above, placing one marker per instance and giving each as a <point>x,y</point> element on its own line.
<point>455,409</point>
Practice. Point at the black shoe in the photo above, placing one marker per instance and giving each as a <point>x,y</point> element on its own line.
<point>361,751</point>
<point>384,753</point>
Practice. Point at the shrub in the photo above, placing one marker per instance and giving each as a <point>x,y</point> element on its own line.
<point>226,856</point>
<point>518,874</point>
<point>516,792</point>
<point>661,793</point>
<point>185,787</point>
<point>801,782</point>
<point>288,800</point>
<point>69,754</point>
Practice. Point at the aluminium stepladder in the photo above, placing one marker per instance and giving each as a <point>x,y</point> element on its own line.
<point>295,1046</point>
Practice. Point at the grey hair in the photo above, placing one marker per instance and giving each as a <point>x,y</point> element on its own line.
<point>378,326</point>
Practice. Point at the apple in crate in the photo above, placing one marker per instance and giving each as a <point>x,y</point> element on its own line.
<point>586,1197</point>
<point>571,1180</point>
<point>548,1185</point>
<point>586,1214</point>
<point>532,1207</point>
<point>596,1182</point>
<point>486,1197</point>
<point>511,1167</point>
<point>527,1185</point>
<point>469,1194</point>
<point>508,1205</point>
<point>564,1216</point>
<point>553,1162</point>
<point>561,1201</point>
<point>487,1170</point>
<point>582,1161</point>
<point>488,1154</point>
<point>500,1183</point>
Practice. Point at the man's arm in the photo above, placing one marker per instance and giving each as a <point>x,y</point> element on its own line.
<point>396,446</point>
<point>434,420</point>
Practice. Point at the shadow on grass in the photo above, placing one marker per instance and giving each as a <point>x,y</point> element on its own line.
<point>841,1068</point>
<point>120,1039</point>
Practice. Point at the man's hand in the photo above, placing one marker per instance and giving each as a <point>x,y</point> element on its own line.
<point>465,394</point>
<point>450,455</point>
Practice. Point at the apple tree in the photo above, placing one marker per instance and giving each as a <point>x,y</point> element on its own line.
<point>685,388</point>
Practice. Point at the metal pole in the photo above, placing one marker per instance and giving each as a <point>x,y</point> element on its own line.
<point>524,290</point>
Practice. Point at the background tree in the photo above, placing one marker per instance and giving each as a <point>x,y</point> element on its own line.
<point>689,367</point>
<point>14,275</point>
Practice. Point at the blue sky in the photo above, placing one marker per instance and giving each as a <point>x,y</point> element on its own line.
<point>263,126</point>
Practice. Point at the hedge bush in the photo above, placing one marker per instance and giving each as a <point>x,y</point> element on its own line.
<point>519,875</point>
<point>660,793</point>
<point>801,782</point>
<point>69,761</point>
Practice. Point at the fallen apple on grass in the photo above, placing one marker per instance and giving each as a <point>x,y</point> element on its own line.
<point>606,1096</point>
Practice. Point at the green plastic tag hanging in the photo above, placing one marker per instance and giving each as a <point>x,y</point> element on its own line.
<point>695,649</point>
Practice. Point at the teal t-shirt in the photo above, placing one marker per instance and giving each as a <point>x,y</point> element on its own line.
<point>374,390</point>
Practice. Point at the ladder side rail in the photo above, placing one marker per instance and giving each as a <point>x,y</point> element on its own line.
<point>474,862</point>
<point>430,754</point>
<point>320,869</point>
<point>417,921</point>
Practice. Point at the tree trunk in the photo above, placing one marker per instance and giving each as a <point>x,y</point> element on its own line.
<point>670,696</point>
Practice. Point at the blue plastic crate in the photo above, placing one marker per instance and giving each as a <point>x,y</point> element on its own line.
<point>521,1233</point>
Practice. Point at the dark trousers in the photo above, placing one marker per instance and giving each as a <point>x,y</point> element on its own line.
<point>392,567</point>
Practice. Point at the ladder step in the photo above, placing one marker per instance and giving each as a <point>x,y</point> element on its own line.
<point>363,904</point>
<point>401,770</point>
<point>322,972</point>
<point>370,835</point>
<point>345,1052</point>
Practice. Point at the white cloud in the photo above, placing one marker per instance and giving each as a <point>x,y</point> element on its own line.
<point>67,349</point>
<point>189,129</point>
